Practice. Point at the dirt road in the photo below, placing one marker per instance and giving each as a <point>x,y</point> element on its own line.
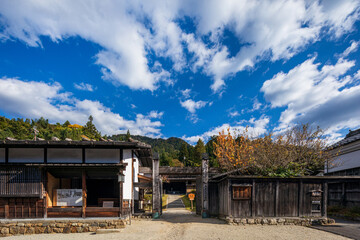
<point>178,223</point>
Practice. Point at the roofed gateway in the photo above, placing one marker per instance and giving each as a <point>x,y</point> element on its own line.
<point>70,178</point>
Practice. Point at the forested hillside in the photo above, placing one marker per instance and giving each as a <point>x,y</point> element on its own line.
<point>173,151</point>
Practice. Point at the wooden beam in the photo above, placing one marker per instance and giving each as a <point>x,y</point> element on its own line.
<point>84,195</point>
<point>143,184</point>
<point>7,210</point>
<point>277,207</point>
<point>156,188</point>
<point>300,198</point>
<point>324,199</point>
<point>253,202</point>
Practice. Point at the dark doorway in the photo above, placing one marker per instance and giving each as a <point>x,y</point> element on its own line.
<point>175,188</point>
<point>100,189</point>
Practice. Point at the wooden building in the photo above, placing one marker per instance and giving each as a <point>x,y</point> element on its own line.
<point>70,178</point>
<point>253,196</point>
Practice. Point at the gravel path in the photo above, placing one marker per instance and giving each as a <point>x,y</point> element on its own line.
<point>177,223</point>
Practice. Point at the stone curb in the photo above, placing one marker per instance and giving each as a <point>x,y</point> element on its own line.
<point>57,226</point>
<point>280,221</point>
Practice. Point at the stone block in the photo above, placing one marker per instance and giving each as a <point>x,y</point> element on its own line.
<point>281,221</point>
<point>264,221</point>
<point>79,229</point>
<point>103,225</point>
<point>272,221</point>
<point>14,230</point>
<point>30,230</point>
<point>243,221</point>
<point>66,230</point>
<point>251,221</point>
<point>57,230</point>
<point>5,230</point>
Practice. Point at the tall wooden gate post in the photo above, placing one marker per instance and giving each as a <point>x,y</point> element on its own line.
<point>205,185</point>
<point>156,195</point>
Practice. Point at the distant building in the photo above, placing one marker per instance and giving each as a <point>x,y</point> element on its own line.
<point>346,155</point>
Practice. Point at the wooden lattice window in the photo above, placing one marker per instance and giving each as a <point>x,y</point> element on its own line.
<point>240,192</point>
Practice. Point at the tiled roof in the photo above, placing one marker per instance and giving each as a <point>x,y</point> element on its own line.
<point>352,136</point>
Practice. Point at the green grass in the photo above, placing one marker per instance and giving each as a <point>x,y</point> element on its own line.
<point>187,203</point>
<point>164,200</point>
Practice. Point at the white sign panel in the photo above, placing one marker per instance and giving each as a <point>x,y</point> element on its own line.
<point>69,197</point>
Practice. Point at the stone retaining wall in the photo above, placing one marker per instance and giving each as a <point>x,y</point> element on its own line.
<point>280,221</point>
<point>57,226</point>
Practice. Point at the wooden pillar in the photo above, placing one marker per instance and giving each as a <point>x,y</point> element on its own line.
<point>277,198</point>
<point>324,199</point>
<point>7,210</point>
<point>156,203</point>
<point>205,185</point>
<point>46,193</point>
<point>84,195</point>
<point>253,202</point>
<point>301,198</point>
<point>343,194</point>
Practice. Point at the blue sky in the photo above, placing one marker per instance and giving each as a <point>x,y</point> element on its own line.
<point>182,68</point>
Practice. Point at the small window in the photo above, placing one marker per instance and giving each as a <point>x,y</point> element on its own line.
<point>241,192</point>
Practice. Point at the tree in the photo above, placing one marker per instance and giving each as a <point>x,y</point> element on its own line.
<point>165,159</point>
<point>297,152</point>
<point>90,130</point>
<point>210,151</point>
<point>198,151</point>
<point>128,136</point>
<point>184,154</point>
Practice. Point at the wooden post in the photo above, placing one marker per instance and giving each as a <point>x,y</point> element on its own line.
<point>156,187</point>
<point>205,185</point>
<point>132,182</point>
<point>7,210</point>
<point>324,199</point>
<point>253,213</point>
<point>343,195</point>
<point>277,199</point>
<point>84,195</point>
<point>301,198</point>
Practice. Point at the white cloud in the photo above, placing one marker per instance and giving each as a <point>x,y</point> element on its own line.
<point>323,96</point>
<point>186,93</point>
<point>254,126</point>
<point>133,106</point>
<point>353,48</point>
<point>130,31</point>
<point>39,99</point>
<point>234,114</point>
<point>84,87</point>
<point>192,106</point>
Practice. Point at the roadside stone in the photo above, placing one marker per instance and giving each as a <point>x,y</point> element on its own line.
<point>14,230</point>
<point>79,229</point>
<point>243,221</point>
<point>5,231</point>
<point>57,230</point>
<point>281,221</point>
<point>264,221</point>
<point>66,230</point>
<point>251,221</point>
<point>272,221</point>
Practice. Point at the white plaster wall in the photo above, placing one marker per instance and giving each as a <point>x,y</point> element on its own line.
<point>346,161</point>
<point>102,155</point>
<point>2,155</point>
<point>136,178</point>
<point>31,155</point>
<point>127,183</point>
<point>64,155</point>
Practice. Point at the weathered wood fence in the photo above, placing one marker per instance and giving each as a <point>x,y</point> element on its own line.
<point>344,193</point>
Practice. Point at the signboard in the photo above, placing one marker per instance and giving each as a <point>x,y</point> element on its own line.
<point>191,196</point>
<point>68,197</point>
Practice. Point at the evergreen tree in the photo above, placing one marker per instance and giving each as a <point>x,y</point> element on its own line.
<point>198,151</point>
<point>165,159</point>
<point>90,129</point>
<point>128,136</point>
<point>184,154</point>
<point>210,151</point>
